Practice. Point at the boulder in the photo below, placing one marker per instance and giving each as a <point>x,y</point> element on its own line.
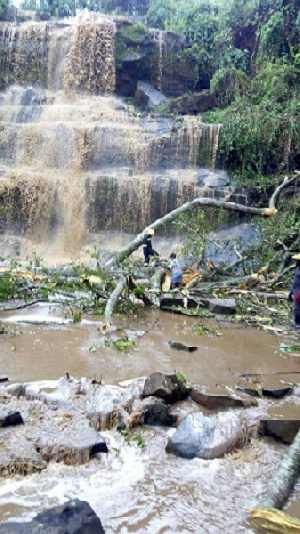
<point>17,455</point>
<point>147,95</point>
<point>222,306</point>
<point>73,517</point>
<point>157,413</point>
<point>165,386</point>
<point>15,390</point>
<point>217,399</point>
<point>206,437</point>
<point>68,439</point>
<point>8,418</point>
<point>194,103</point>
<point>284,430</point>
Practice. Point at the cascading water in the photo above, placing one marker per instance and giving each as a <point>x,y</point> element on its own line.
<point>100,166</point>
<point>160,46</point>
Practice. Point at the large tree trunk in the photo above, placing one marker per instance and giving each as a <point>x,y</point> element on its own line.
<point>265,514</point>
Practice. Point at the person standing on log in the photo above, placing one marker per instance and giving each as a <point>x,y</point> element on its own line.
<point>147,247</point>
<point>295,291</point>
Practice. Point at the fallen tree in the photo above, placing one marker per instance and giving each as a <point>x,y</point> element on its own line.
<point>267,211</point>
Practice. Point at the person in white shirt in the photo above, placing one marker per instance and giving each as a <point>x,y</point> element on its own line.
<point>176,271</point>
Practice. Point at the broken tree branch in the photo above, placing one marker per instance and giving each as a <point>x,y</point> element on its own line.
<point>204,202</point>
<point>286,182</point>
<point>112,301</point>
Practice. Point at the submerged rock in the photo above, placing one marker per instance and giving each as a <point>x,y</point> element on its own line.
<point>259,390</point>
<point>218,399</point>
<point>181,346</point>
<point>17,455</point>
<point>207,437</point>
<point>68,438</point>
<point>165,386</point>
<point>73,517</point>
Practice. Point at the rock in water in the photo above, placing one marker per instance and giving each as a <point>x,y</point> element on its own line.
<point>8,418</point>
<point>73,517</point>
<point>181,346</point>
<point>206,437</point>
<point>165,386</point>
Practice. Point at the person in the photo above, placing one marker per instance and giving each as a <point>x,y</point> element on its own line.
<point>176,271</point>
<point>295,291</point>
<point>147,247</point>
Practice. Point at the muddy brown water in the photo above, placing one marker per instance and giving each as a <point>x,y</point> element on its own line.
<point>146,491</point>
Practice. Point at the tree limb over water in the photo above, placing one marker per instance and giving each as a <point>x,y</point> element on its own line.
<point>268,211</point>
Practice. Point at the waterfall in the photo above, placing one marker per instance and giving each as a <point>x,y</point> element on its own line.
<point>74,161</point>
<point>80,58</point>
<point>91,59</point>
<point>160,45</point>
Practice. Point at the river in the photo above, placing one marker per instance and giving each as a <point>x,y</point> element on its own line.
<point>145,490</point>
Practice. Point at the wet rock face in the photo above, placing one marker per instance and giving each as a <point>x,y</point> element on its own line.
<point>191,104</point>
<point>165,386</point>
<point>242,235</point>
<point>73,517</point>
<point>206,437</point>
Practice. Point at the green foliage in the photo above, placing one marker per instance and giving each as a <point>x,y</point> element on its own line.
<point>7,288</point>
<point>272,37</point>
<point>227,84</point>
<point>124,344</point>
<point>77,317</point>
<point>275,82</point>
<point>196,227</point>
<point>136,437</point>
<point>279,232</point>
<point>204,330</point>
<point>291,348</point>
<point>261,139</point>
<point>181,376</point>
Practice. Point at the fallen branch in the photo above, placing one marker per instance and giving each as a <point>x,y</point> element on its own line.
<point>286,182</point>
<point>112,301</point>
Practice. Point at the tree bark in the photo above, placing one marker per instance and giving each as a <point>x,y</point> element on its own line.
<point>112,301</point>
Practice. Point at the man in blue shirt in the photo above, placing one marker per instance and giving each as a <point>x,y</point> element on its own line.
<point>147,247</point>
